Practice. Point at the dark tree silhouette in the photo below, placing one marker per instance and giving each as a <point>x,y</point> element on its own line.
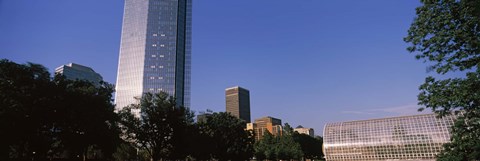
<point>157,126</point>
<point>44,118</point>
<point>229,139</point>
<point>311,147</point>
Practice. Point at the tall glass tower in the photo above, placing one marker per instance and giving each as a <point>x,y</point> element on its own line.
<point>155,50</point>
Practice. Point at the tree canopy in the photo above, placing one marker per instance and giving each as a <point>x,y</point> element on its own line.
<point>446,34</point>
<point>229,139</point>
<point>157,126</point>
<point>41,117</point>
<point>310,146</point>
<point>283,147</point>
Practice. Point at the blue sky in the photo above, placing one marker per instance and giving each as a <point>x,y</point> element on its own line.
<point>306,62</point>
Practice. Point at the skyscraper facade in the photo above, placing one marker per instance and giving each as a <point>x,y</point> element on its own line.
<point>238,102</point>
<point>74,71</point>
<point>155,50</point>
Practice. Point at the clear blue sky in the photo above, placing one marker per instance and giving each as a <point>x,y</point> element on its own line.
<point>306,62</point>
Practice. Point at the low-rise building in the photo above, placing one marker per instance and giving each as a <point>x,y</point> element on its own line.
<point>302,130</point>
<point>74,71</point>
<point>266,124</point>
<point>203,117</point>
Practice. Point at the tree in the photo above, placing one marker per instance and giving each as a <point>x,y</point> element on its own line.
<point>288,149</point>
<point>287,129</point>
<point>129,152</point>
<point>44,118</point>
<point>265,148</point>
<point>159,128</point>
<point>201,142</point>
<point>229,138</point>
<point>446,33</point>
<point>461,95</point>
<point>282,147</point>
<point>86,119</point>
<point>310,146</point>
<point>21,96</point>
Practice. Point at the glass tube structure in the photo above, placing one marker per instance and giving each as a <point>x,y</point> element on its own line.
<point>417,137</point>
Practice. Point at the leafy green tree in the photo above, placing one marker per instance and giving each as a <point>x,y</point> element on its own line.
<point>282,147</point>
<point>159,127</point>
<point>311,147</point>
<point>87,121</point>
<point>229,138</point>
<point>21,96</point>
<point>287,129</point>
<point>265,148</point>
<point>44,118</point>
<point>446,33</point>
<point>128,152</point>
<point>460,95</point>
<point>201,142</point>
<point>288,149</point>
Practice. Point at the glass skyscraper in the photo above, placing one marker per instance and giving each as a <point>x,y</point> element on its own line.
<point>155,50</point>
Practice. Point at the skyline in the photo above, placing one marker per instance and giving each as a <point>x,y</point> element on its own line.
<point>351,65</point>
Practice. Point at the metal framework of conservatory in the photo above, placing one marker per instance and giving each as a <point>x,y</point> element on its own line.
<point>417,137</point>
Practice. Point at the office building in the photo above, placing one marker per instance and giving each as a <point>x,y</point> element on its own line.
<point>74,71</point>
<point>238,102</point>
<point>155,50</point>
<point>264,124</point>
<point>302,130</point>
<point>203,117</point>
<point>417,137</point>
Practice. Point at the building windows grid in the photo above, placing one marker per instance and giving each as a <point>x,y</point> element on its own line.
<point>150,40</point>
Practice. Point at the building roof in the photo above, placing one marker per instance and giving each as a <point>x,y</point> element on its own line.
<point>236,87</point>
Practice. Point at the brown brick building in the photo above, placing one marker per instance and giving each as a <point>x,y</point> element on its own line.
<point>238,102</point>
<point>261,125</point>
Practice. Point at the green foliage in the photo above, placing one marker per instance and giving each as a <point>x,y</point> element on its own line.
<point>201,142</point>
<point>465,143</point>
<point>444,96</point>
<point>311,147</point>
<point>447,34</point>
<point>461,95</point>
<point>128,152</point>
<point>287,129</point>
<point>157,126</point>
<point>44,118</point>
<point>283,147</point>
<point>288,149</point>
<point>265,148</point>
<point>228,138</point>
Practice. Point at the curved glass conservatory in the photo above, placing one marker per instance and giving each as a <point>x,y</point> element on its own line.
<point>418,137</point>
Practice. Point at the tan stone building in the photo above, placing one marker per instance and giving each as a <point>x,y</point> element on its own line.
<point>302,130</point>
<point>238,102</point>
<point>264,124</point>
